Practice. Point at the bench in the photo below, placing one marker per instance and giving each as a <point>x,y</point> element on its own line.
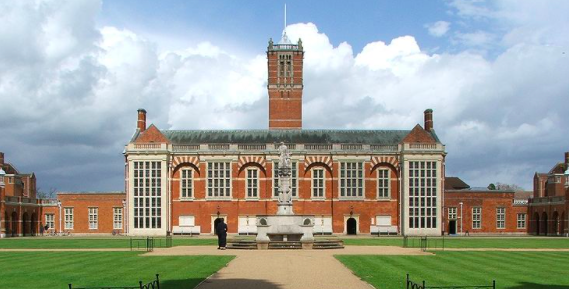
<point>186,230</point>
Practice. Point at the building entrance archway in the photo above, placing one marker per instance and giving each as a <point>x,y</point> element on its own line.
<point>25,225</point>
<point>543,226</point>
<point>536,223</point>
<point>351,226</point>
<point>14,228</point>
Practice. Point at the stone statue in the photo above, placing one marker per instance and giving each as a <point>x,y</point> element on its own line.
<point>284,173</point>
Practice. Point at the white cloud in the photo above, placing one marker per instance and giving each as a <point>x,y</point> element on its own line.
<point>69,93</point>
<point>438,29</point>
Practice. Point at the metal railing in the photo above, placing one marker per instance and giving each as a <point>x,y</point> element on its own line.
<point>154,284</point>
<point>149,243</point>
<point>424,242</point>
<point>413,285</point>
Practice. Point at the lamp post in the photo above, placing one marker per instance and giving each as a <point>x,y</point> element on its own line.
<point>122,215</point>
<point>567,215</point>
<point>2,174</point>
<point>460,217</point>
<point>59,207</point>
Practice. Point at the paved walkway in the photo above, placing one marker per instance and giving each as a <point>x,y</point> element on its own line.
<point>286,269</point>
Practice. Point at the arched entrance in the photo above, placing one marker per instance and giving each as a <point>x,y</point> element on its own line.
<point>536,223</point>
<point>25,225</point>
<point>217,221</point>
<point>14,227</point>
<point>544,224</point>
<point>555,221</point>
<point>351,226</point>
<point>563,224</point>
<point>7,224</point>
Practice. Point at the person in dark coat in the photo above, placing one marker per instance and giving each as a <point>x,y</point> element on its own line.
<point>221,230</point>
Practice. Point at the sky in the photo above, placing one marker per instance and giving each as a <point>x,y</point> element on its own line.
<point>74,72</point>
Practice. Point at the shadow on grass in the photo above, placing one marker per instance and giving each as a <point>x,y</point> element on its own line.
<point>528,285</point>
<point>219,283</point>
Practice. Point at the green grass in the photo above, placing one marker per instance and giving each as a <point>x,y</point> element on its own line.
<point>56,269</point>
<point>100,243</point>
<point>513,270</point>
<point>470,242</point>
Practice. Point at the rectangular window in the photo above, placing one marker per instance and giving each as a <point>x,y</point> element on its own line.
<point>318,188</point>
<point>117,218</point>
<point>219,179</point>
<point>252,183</point>
<point>186,183</point>
<point>293,179</point>
<point>501,218</point>
<point>383,182</point>
<point>351,179</point>
<point>50,221</point>
<point>147,195</point>
<point>68,216</point>
<point>476,218</point>
<point>521,221</point>
<point>422,194</point>
<point>93,218</point>
<point>452,213</point>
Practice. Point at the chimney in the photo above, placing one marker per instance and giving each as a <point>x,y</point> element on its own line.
<point>567,160</point>
<point>141,124</point>
<point>428,119</point>
<point>1,159</point>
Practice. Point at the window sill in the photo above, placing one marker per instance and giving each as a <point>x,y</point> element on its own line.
<point>218,199</point>
<point>319,199</point>
<point>251,199</point>
<point>352,199</point>
<point>383,199</point>
<point>186,199</point>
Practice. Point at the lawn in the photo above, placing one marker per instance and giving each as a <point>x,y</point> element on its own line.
<point>470,242</point>
<point>512,270</point>
<point>56,269</point>
<point>93,243</point>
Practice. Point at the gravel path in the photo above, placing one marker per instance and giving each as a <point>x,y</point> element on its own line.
<point>285,269</point>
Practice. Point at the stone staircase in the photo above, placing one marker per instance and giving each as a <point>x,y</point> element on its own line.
<point>285,245</point>
<point>319,244</point>
<point>328,244</point>
<point>242,244</point>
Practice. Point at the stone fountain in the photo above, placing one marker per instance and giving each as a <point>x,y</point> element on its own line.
<point>285,226</point>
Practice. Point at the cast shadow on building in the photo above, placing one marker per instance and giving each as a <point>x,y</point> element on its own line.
<point>220,283</point>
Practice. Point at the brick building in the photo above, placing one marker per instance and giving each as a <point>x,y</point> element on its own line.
<point>548,210</point>
<point>353,181</point>
<point>478,211</point>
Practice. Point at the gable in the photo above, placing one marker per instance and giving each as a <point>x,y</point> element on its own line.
<point>151,135</point>
<point>419,135</point>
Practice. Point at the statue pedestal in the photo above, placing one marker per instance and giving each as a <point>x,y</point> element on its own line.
<point>285,228</point>
<point>284,210</point>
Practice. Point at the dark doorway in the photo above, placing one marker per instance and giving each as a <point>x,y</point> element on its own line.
<point>34,224</point>
<point>452,227</point>
<point>536,223</point>
<point>544,227</point>
<point>352,226</point>
<point>25,225</point>
<point>15,229</point>
<point>217,221</point>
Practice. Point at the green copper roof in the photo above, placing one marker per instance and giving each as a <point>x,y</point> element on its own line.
<point>382,137</point>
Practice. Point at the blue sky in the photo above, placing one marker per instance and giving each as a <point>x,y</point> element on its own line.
<point>247,25</point>
<point>74,72</point>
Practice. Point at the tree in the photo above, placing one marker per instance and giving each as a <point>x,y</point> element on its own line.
<point>492,187</point>
<point>505,187</point>
<point>50,194</point>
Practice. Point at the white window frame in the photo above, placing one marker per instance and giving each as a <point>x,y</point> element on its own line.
<point>117,218</point>
<point>452,213</point>
<point>93,218</point>
<point>293,179</point>
<point>423,194</point>
<point>318,183</point>
<point>383,177</point>
<point>476,218</point>
<point>147,195</point>
<point>252,184</point>
<point>68,218</point>
<point>50,221</point>
<point>223,178</point>
<point>357,192</point>
<point>522,221</point>
<point>501,218</point>
<point>187,184</point>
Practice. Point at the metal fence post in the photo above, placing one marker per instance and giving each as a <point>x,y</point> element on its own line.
<point>140,284</point>
<point>424,285</point>
<point>157,282</point>
<point>70,286</point>
<point>407,282</point>
<point>494,284</point>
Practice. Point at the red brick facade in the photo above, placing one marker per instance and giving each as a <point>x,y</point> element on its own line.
<point>548,210</point>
